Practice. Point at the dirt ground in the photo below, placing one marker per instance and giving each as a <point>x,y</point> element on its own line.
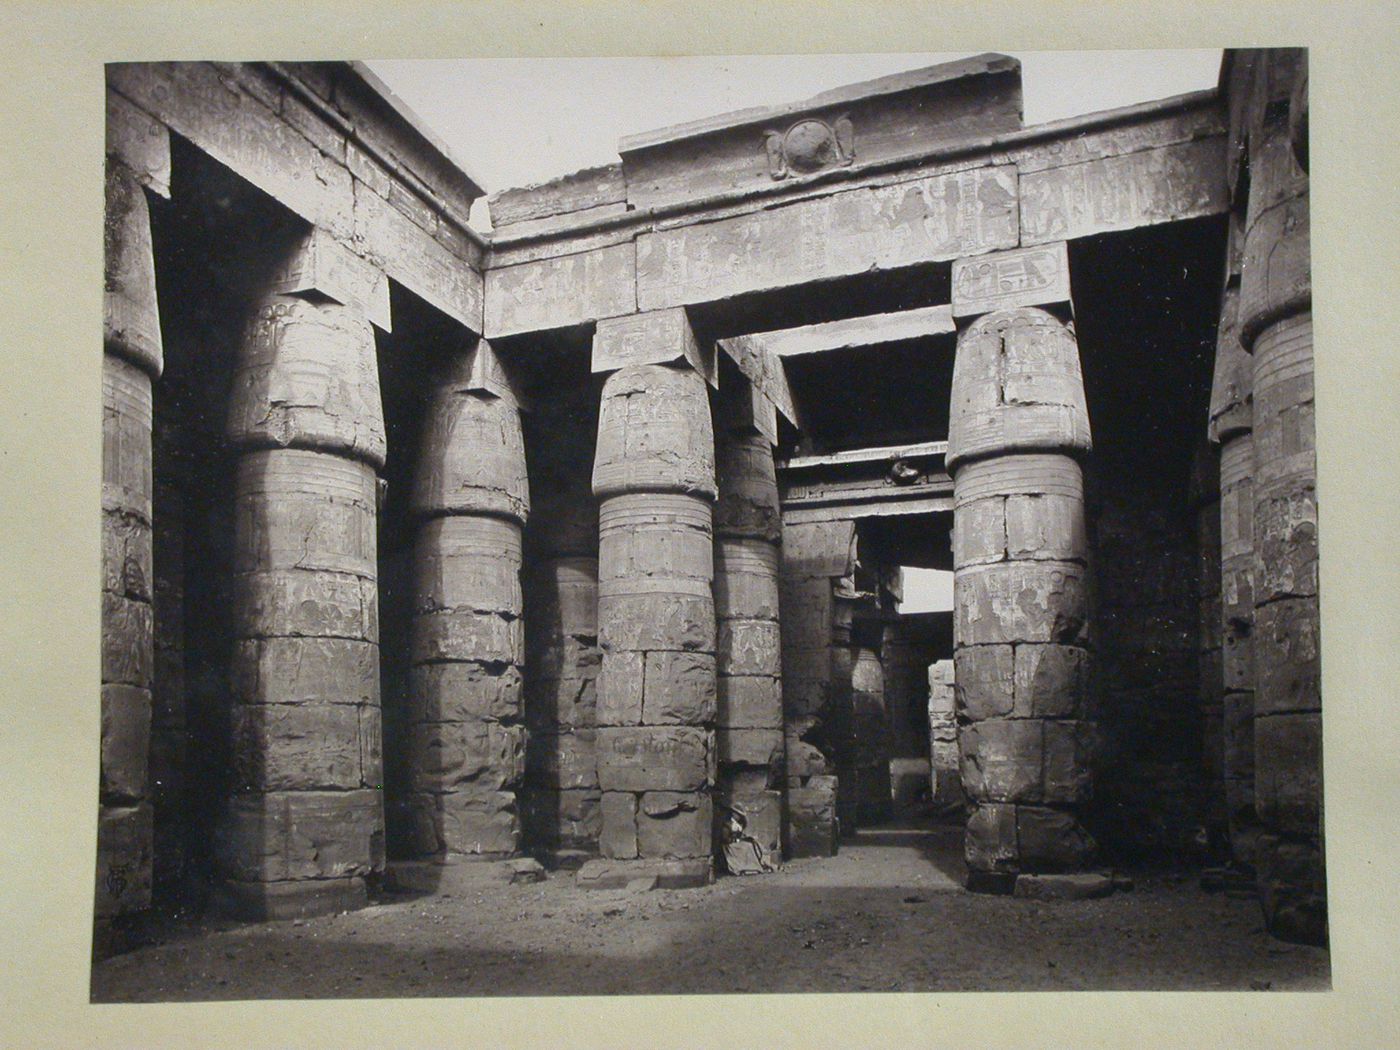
<point>887,914</point>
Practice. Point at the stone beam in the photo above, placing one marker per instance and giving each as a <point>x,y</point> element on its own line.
<point>561,291</point>
<point>903,479</point>
<point>1168,184</point>
<point>854,231</point>
<point>251,122</point>
<point>855,333</point>
<point>764,372</point>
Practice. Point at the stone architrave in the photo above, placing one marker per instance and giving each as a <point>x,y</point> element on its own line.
<point>1018,428</point>
<point>654,477</point>
<point>1036,276</point>
<point>303,827</point>
<point>466,738</point>
<point>749,710</point>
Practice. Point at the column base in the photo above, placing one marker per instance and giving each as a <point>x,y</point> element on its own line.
<point>1078,887</point>
<point>605,874</point>
<point>460,873</point>
<point>295,899</point>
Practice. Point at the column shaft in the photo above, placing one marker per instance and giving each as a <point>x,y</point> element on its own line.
<point>466,740</point>
<point>132,360</point>
<point>749,719</point>
<point>304,827</point>
<point>1020,585</point>
<point>654,475</point>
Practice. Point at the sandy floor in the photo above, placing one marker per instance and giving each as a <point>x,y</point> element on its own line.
<point>887,914</point>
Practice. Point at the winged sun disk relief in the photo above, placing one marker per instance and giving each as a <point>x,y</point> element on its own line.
<point>809,146</point>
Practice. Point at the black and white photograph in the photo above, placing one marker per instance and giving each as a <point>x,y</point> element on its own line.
<point>582,528</point>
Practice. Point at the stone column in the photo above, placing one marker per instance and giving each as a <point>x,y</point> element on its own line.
<point>1232,426</point>
<point>1276,328</point>
<point>466,743</point>
<point>945,779</point>
<point>654,474</point>
<point>749,716</point>
<point>562,800</point>
<point>1018,423</point>
<point>870,732</point>
<point>818,559</point>
<point>1204,497</point>
<point>131,361</point>
<point>304,827</point>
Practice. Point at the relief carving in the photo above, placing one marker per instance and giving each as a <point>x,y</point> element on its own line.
<point>810,145</point>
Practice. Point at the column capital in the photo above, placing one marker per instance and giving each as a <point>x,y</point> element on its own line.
<point>322,265</point>
<point>657,337</point>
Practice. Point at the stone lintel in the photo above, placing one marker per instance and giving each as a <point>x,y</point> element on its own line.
<point>323,265</point>
<point>825,548</point>
<point>1036,276</point>
<point>858,333</point>
<point>658,337</point>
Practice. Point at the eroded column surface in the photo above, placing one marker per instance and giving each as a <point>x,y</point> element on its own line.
<point>1232,425</point>
<point>466,740</point>
<point>1276,327</point>
<point>304,826</point>
<point>130,362</point>
<point>1018,424</point>
<point>749,711</point>
<point>654,474</point>
<point>563,803</point>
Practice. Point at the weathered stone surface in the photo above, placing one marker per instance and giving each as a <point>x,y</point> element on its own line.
<point>618,837</point>
<point>492,638</point>
<point>442,756</point>
<point>985,681</point>
<point>746,579</point>
<point>322,265</point>
<point>1052,840</point>
<point>674,825</point>
<point>130,316</point>
<point>463,692</point>
<point>654,433</point>
<point>653,537</point>
<point>1003,761</point>
<point>1231,412</point>
<point>671,619</point>
<point>472,458</point>
<point>1020,602</point>
<point>563,819</point>
<point>1292,890</point>
<point>749,647</point>
<point>138,143</point>
<point>464,822</point>
<point>655,758</point>
<point>1288,773</point>
<point>1037,276</point>
<point>817,549</point>
<point>659,337</point>
<point>563,703</point>
<point>1017,386</point>
<point>990,840</point>
<point>1077,887</point>
<point>302,509</point>
<point>679,689</point>
<point>928,220</point>
<point>753,747</point>
<point>126,725</point>
<point>1051,681</point>
<point>127,632</point>
<point>563,761</point>
<point>1288,652</point>
<point>577,191</point>
<point>301,835</point>
<point>126,439</point>
<point>292,899</point>
<point>749,702</point>
<point>123,859</point>
<point>621,688</point>
<point>1284,438</point>
<point>307,376</point>
<point>812,823</point>
<point>468,563</point>
<point>305,747</point>
<point>1123,192</point>
<point>561,291</point>
<point>767,379</point>
<point>748,504</point>
<point>563,601</point>
<point>306,604</point>
<point>126,556</point>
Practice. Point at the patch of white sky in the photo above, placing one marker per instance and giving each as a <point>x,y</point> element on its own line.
<point>519,121</point>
